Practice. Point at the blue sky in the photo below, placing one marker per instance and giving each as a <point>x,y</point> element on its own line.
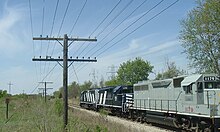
<point>155,41</point>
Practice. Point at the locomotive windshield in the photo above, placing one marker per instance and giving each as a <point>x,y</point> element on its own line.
<point>212,82</point>
<point>212,85</point>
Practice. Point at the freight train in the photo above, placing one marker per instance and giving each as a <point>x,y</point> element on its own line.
<point>190,102</point>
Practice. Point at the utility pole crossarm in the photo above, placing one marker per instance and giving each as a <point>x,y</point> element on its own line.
<point>82,39</point>
<point>46,38</point>
<point>71,39</point>
<point>52,59</point>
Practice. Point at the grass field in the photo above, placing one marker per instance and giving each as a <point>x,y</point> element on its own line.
<point>34,115</point>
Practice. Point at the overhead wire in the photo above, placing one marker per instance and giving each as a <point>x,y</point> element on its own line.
<point>120,12</point>
<point>51,31</point>
<point>32,35</point>
<point>140,26</point>
<point>42,31</point>
<point>62,22</point>
<point>128,26</point>
<point>137,28</point>
<point>64,16</point>
<point>78,17</point>
<point>117,26</point>
<point>45,77</point>
<point>101,23</point>
<point>139,6</point>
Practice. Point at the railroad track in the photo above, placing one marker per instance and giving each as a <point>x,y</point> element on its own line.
<point>145,126</point>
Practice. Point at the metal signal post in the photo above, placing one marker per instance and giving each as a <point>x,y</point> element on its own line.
<point>65,67</point>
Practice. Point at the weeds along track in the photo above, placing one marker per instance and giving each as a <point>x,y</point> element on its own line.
<point>131,125</point>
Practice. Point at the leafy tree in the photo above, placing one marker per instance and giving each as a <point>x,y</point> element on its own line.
<point>74,90</point>
<point>131,72</point>
<point>87,85</point>
<point>112,82</point>
<point>200,36</point>
<point>171,71</point>
<point>3,93</point>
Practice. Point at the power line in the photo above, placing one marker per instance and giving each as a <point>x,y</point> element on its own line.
<point>42,24</point>
<point>44,78</point>
<point>31,25</point>
<point>51,31</point>
<point>54,17</point>
<point>64,16</point>
<point>136,29</point>
<point>75,74</point>
<point>102,21</point>
<point>78,17</point>
<point>126,6</point>
<point>129,26</point>
<point>117,26</point>
<point>106,17</point>
<point>140,26</point>
<point>32,34</point>
<point>42,30</point>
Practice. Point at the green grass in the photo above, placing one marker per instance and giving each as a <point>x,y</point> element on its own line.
<point>34,115</point>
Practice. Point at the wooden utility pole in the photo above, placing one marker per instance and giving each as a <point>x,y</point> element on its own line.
<point>7,102</point>
<point>65,66</point>
<point>45,89</point>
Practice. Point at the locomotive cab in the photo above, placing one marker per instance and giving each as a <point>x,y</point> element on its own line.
<point>201,94</point>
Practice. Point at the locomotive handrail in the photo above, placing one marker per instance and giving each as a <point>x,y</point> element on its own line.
<point>179,95</point>
<point>141,103</point>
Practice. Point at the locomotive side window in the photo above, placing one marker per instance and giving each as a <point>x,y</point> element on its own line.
<point>145,87</point>
<point>141,88</point>
<point>188,89</point>
<point>137,88</point>
<point>177,82</point>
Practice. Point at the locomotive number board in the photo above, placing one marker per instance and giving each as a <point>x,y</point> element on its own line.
<point>209,78</point>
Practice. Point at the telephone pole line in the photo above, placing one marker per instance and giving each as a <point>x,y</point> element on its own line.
<point>65,66</point>
<point>9,87</point>
<point>45,89</point>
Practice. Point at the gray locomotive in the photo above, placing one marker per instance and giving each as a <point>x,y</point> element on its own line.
<point>189,102</point>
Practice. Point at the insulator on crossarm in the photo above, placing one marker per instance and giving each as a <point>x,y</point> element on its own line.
<point>95,58</point>
<point>77,57</point>
<point>88,57</point>
<point>39,56</point>
<point>59,57</point>
<point>71,57</point>
<point>41,36</point>
<point>83,57</point>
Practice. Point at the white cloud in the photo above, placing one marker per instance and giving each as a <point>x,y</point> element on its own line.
<point>11,31</point>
